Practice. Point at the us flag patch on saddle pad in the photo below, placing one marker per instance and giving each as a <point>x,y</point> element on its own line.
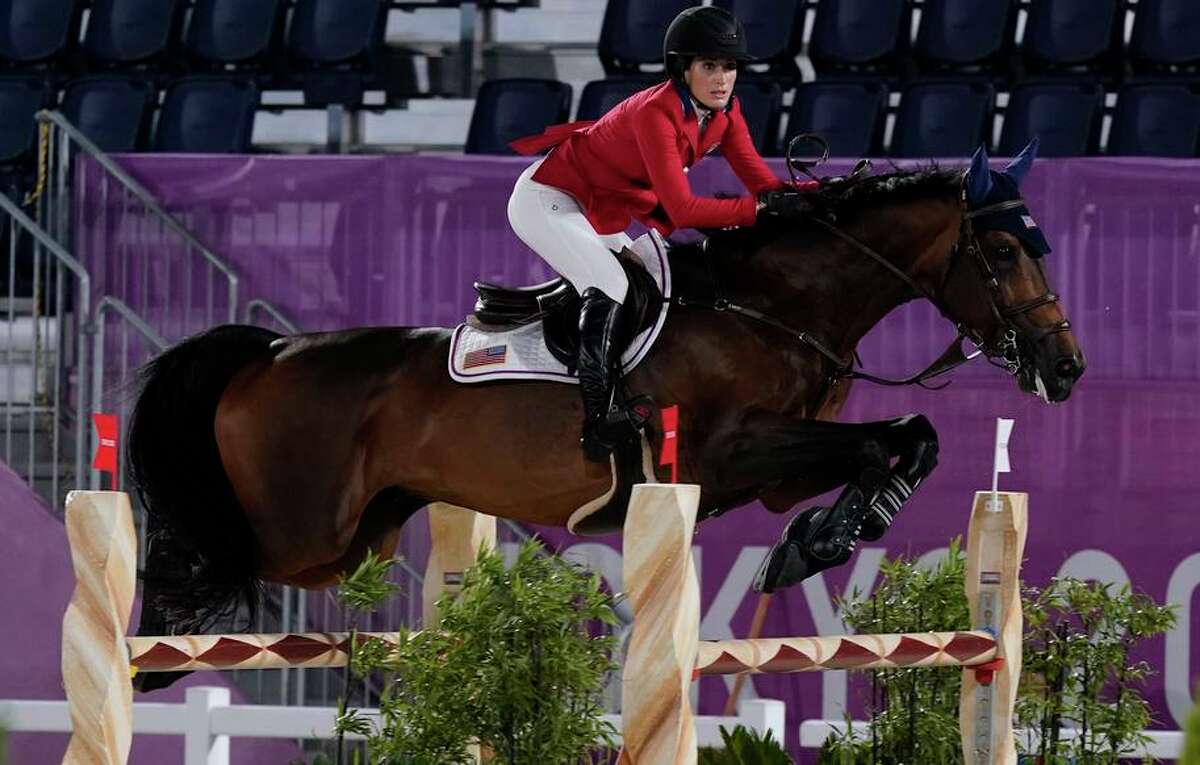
<point>483,357</point>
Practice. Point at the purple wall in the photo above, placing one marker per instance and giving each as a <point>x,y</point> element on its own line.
<point>343,241</point>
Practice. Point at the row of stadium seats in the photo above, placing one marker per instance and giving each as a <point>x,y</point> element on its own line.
<point>197,114</point>
<point>935,117</point>
<point>981,36</point>
<point>327,47</point>
<point>331,48</point>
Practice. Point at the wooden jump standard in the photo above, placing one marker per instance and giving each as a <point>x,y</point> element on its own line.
<point>665,654</point>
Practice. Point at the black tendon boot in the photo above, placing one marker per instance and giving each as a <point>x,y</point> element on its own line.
<point>604,426</point>
<point>912,468</point>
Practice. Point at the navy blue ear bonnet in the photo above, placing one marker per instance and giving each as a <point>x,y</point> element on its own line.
<point>987,187</point>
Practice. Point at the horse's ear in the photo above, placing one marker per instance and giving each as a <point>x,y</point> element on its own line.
<point>1019,167</point>
<point>979,177</point>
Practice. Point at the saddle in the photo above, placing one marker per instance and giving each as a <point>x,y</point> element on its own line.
<point>556,305</point>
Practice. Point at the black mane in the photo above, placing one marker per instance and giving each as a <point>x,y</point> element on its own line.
<point>847,199</point>
<point>841,201</point>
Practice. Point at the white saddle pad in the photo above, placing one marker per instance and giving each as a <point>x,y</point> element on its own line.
<point>479,355</point>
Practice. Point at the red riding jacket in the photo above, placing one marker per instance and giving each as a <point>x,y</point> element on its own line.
<point>631,163</point>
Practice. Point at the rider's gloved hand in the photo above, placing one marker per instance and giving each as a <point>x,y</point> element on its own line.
<point>787,202</point>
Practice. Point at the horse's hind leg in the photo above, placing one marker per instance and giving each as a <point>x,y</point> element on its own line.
<point>378,531</point>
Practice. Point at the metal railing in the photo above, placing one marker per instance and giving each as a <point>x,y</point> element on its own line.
<point>132,257</point>
<point>145,255</point>
<point>147,343</point>
<point>258,305</point>
<point>45,356</point>
<point>152,282</point>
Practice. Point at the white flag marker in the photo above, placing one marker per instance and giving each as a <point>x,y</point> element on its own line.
<point>1000,464</point>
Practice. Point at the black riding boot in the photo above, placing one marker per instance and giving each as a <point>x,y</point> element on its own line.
<point>604,426</point>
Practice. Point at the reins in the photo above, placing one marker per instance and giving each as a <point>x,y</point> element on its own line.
<point>1004,347</point>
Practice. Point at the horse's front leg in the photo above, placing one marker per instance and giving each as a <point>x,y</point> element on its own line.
<point>776,454</point>
<point>910,440</point>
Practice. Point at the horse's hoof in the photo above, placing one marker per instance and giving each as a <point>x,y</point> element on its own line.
<point>789,561</point>
<point>784,566</point>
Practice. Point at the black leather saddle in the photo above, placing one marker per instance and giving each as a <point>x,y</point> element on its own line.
<point>556,305</point>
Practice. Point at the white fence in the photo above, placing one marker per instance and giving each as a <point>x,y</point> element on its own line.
<point>207,720</point>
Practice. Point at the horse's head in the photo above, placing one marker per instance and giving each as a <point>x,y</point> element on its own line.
<point>995,285</point>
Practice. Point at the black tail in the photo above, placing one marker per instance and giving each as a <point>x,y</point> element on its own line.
<point>202,560</point>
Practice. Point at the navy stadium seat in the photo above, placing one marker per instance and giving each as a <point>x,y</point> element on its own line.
<point>1071,33</point>
<point>1065,116</point>
<point>1166,33</point>
<point>632,32</point>
<point>958,33</point>
<point>113,112</point>
<point>207,114</point>
<point>1156,119</point>
<point>232,31</point>
<point>761,102</point>
<point>514,108</point>
<point>857,33</point>
<point>942,119</point>
<point>20,99</point>
<point>336,44</point>
<point>33,31</point>
<point>774,32</point>
<point>130,31</point>
<point>599,96</point>
<point>849,115</point>
<point>332,31</point>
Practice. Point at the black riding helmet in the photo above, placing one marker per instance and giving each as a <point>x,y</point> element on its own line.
<point>704,31</point>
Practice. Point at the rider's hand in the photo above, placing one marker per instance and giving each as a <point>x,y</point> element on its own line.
<point>785,202</point>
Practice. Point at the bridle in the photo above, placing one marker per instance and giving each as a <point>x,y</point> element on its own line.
<point>1003,349</point>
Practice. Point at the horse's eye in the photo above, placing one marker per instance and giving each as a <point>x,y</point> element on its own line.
<point>1007,252</point>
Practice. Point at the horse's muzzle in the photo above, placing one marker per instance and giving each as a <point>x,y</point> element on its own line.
<point>1054,377</point>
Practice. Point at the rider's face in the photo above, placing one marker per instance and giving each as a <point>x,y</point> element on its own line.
<point>711,80</point>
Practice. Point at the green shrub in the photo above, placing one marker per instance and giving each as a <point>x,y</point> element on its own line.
<point>516,663</point>
<point>1077,672</point>
<point>745,747</point>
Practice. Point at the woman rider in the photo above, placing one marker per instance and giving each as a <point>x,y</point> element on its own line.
<point>573,206</point>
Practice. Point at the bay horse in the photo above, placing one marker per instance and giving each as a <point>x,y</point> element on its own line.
<point>286,459</point>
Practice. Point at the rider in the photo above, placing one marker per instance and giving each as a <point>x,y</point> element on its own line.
<point>573,206</point>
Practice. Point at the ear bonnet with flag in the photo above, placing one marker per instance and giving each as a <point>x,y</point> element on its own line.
<point>987,187</point>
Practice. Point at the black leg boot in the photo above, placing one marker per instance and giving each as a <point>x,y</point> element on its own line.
<point>819,538</point>
<point>917,461</point>
<point>597,325</point>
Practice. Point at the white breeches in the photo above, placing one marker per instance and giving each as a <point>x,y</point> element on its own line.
<point>551,222</point>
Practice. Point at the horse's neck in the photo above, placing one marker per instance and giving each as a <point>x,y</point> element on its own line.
<point>829,288</point>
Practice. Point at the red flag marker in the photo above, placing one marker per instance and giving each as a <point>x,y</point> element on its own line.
<point>670,446</point>
<point>107,428</point>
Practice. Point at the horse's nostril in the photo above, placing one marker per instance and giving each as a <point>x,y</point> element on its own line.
<point>1067,369</point>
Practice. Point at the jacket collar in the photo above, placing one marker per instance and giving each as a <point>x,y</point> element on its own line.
<point>685,96</point>
<point>691,127</point>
